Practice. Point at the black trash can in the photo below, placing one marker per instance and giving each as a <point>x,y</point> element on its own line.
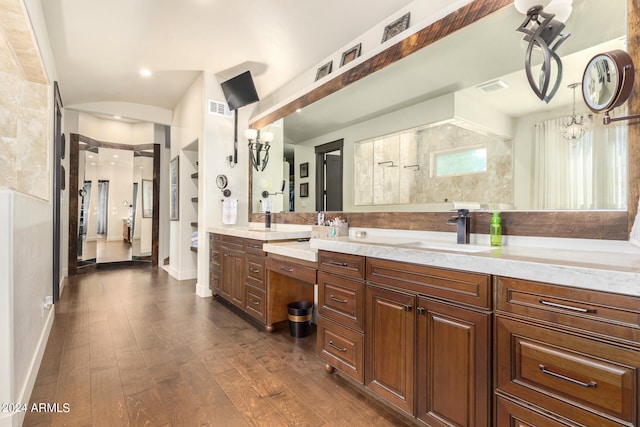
<point>300,318</point>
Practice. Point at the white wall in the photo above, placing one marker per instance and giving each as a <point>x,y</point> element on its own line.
<point>187,128</point>
<point>26,234</point>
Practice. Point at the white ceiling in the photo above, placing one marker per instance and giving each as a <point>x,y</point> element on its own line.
<point>99,46</point>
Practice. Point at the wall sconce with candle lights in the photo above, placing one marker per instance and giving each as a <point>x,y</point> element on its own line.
<point>258,148</point>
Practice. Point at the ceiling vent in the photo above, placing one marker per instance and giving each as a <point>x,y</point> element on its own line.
<point>492,86</point>
<point>219,108</point>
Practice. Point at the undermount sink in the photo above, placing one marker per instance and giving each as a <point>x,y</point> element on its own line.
<point>446,246</point>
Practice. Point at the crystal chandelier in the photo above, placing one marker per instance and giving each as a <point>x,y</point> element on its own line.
<point>574,127</point>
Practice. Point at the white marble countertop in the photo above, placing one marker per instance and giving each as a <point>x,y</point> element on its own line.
<point>257,231</point>
<point>299,250</point>
<point>605,266</point>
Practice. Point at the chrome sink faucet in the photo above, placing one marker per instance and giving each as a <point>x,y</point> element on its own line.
<point>463,221</point>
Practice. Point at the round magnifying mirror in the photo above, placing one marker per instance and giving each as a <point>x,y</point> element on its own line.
<point>222,181</point>
<point>607,80</point>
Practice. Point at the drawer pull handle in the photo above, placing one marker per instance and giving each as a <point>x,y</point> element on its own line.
<point>338,263</point>
<point>342,350</point>
<point>288,270</point>
<point>591,384</point>
<point>228,254</point>
<point>341,301</point>
<point>253,302</point>
<point>254,246</point>
<point>567,307</point>
<point>254,270</point>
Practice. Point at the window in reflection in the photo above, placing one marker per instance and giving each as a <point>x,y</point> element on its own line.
<point>460,162</point>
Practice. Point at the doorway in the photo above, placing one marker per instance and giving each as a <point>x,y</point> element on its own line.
<point>105,224</point>
<point>329,176</point>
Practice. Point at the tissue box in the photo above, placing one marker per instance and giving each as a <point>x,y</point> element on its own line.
<point>325,231</point>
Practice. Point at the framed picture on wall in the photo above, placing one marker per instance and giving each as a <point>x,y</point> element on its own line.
<point>174,188</point>
<point>304,189</point>
<point>324,70</point>
<point>304,170</point>
<point>147,198</point>
<point>396,27</point>
<point>351,54</point>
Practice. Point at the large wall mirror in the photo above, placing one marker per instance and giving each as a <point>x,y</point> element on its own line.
<point>113,214</point>
<point>408,128</point>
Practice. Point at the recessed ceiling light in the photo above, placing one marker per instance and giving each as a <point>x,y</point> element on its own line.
<point>145,72</point>
<point>117,117</point>
<point>115,156</point>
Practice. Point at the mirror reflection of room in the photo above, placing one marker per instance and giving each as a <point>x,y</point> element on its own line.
<point>114,205</point>
<point>540,156</point>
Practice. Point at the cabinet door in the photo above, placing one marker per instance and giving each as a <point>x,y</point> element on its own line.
<point>453,364</point>
<point>232,285</point>
<point>390,346</point>
<point>227,273</point>
<point>238,281</point>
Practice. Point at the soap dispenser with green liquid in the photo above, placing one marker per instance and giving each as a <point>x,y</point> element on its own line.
<point>496,230</point>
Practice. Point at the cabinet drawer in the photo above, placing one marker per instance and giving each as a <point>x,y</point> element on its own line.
<point>233,243</point>
<point>215,240</point>
<point>342,348</point>
<point>255,271</point>
<point>214,281</point>
<point>344,264</point>
<point>292,269</point>
<point>341,299</point>
<point>588,381</point>
<point>597,312</point>
<point>509,413</point>
<point>215,257</point>
<point>255,302</point>
<point>452,285</point>
<point>254,247</point>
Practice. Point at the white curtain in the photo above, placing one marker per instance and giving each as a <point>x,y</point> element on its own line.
<point>587,173</point>
<point>103,198</point>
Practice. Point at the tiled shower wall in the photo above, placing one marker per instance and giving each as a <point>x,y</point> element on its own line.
<point>24,109</point>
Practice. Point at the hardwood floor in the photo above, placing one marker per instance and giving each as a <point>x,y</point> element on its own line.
<point>133,346</point>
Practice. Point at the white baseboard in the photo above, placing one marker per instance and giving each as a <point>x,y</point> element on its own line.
<point>203,291</point>
<point>17,419</point>
<point>180,274</point>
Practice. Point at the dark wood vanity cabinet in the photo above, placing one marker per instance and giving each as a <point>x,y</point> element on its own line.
<point>232,269</point>
<point>237,273</point>
<point>453,364</point>
<point>390,346</point>
<point>428,341</point>
<point>215,257</point>
<point>566,356</point>
<point>341,313</point>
